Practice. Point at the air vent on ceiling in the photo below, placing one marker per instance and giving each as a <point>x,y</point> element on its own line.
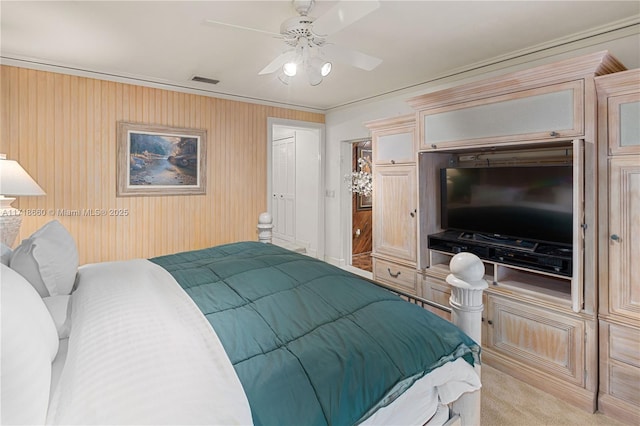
<point>204,79</point>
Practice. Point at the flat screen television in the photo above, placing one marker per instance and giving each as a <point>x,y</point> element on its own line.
<point>531,203</point>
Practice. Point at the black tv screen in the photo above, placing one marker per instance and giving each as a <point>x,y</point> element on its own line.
<point>529,203</point>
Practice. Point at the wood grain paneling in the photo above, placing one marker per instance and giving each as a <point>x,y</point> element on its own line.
<point>62,130</point>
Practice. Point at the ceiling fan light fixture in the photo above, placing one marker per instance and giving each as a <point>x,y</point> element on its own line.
<point>306,39</point>
<point>314,78</point>
<point>325,69</point>
<point>290,69</point>
<point>319,66</point>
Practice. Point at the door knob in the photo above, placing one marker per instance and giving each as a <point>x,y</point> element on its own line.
<point>615,237</point>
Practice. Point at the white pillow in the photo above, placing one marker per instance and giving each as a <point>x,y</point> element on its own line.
<point>59,308</point>
<point>29,345</point>
<point>48,259</point>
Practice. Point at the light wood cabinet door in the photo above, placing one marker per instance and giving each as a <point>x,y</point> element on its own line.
<point>394,139</point>
<point>624,236</point>
<point>543,339</point>
<point>395,212</point>
<point>395,146</point>
<point>624,124</point>
<point>554,111</point>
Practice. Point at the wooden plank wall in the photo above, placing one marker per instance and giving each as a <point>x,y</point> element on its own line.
<point>62,130</point>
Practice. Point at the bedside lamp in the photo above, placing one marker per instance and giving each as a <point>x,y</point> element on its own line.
<point>14,180</point>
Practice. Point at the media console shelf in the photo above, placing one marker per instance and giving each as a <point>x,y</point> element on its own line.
<point>510,280</point>
<point>528,255</point>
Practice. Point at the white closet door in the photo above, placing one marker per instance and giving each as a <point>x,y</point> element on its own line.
<point>284,188</point>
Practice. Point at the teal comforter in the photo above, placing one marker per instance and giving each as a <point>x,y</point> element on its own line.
<point>312,344</point>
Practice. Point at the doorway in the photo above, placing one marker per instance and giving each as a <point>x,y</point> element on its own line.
<point>361,206</point>
<point>295,183</point>
<point>349,207</point>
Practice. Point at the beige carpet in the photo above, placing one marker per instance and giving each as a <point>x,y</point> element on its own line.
<point>509,402</point>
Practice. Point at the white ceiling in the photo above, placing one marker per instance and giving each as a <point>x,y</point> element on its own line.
<point>168,42</point>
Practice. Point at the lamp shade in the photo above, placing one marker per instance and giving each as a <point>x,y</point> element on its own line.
<point>14,180</point>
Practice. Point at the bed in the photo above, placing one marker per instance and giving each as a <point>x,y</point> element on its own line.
<point>242,333</point>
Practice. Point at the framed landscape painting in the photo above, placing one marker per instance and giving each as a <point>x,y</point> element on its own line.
<point>158,160</point>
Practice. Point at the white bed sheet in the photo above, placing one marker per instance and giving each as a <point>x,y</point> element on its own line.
<point>418,404</point>
<point>140,352</point>
<point>58,364</point>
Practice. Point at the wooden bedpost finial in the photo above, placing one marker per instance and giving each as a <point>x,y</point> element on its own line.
<point>467,284</point>
<point>265,225</point>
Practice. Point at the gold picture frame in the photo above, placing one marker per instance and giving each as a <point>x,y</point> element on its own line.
<point>160,160</point>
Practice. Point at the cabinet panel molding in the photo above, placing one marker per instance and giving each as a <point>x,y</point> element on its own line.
<point>624,236</point>
<point>551,112</point>
<point>624,345</point>
<point>395,211</point>
<point>624,382</point>
<point>625,124</point>
<point>393,139</point>
<point>619,112</point>
<point>436,290</point>
<point>394,148</point>
<point>540,338</point>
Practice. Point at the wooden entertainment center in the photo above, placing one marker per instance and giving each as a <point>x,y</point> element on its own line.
<point>538,326</point>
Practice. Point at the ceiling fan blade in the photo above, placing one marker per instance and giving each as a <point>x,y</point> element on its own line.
<point>240,27</point>
<point>351,57</point>
<point>278,62</point>
<point>344,13</point>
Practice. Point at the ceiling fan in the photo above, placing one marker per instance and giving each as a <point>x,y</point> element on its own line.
<point>306,43</point>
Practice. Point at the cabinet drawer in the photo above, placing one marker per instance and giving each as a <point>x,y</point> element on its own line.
<point>436,291</point>
<point>624,382</point>
<point>624,343</point>
<point>398,276</point>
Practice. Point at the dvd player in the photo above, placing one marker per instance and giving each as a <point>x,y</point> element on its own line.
<point>527,254</point>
